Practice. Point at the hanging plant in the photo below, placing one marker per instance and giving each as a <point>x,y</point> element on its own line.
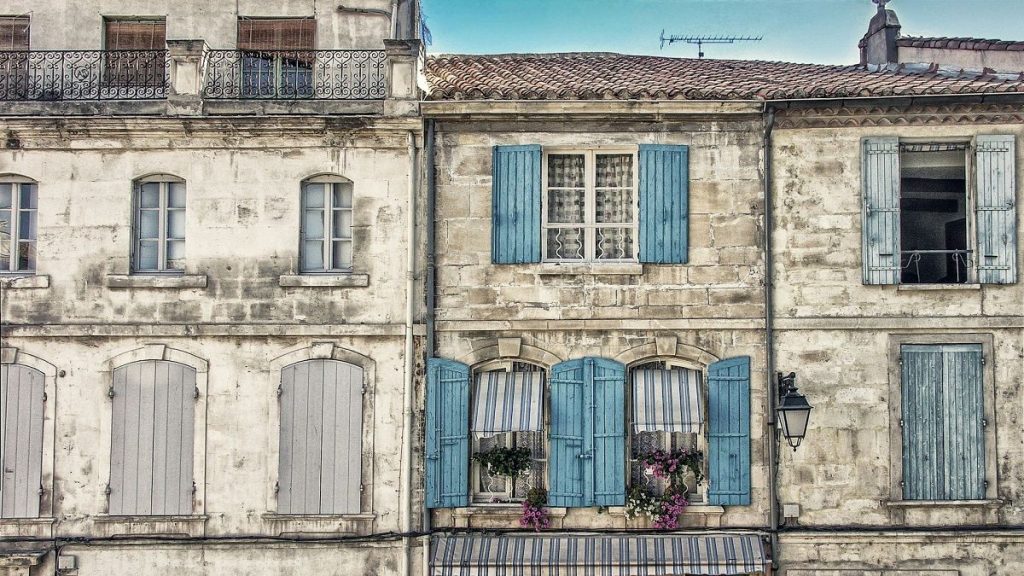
<point>673,465</point>
<point>664,511</point>
<point>534,514</point>
<point>502,461</point>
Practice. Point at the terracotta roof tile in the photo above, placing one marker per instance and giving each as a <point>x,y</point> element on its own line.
<point>606,76</point>
<point>965,43</point>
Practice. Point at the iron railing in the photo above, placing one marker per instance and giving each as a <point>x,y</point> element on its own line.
<point>53,75</point>
<point>957,265</point>
<point>296,74</point>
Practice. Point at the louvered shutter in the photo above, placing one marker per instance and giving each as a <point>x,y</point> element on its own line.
<point>609,417</point>
<point>880,225</point>
<point>664,204</point>
<point>996,209</point>
<point>943,422</point>
<point>570,436</point>
<point>516,204</point>
<point>21,440</point>
<point>152,439</point>
<point>729,432</point>
<point>320,448</point>
<point>447,433</point>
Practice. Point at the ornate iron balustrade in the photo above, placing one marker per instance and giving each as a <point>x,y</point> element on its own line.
<point>53,75</point>
<point>296,74</point>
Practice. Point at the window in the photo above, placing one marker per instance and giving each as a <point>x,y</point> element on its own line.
<point>326,243</point>
<point>18,226</point>
<point>277,56</point>
<point>159,227</point>
<point>135,53</point>
<point>14,33</point>
<point>492,386</point>
<point>21,451</point>
<point>589,206</point>
<point>151,448</point>
<point>321,438</point>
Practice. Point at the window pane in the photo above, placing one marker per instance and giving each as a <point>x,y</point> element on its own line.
<point>176,255</point>
<point>5,239</point>
<point>614,206</point>
<point>313,255</point>
<point>342,223</point>
<point>614,170</point>
<point>343,195</point>
<point>149,197</point>
<point>566,170</point>
<point>614,243</point>
<point>28,196</point>
<point>147,257</point>
<point>26,255</point>
<point>313,224</point>
<point>175,195</point>
<point>565,243</point>
<point>27,225</point>
<point>313,196</point>
<point>566,206</point>
<point>175,223</point>
<point>342,254</point>
<point>149,224</point>
<point>6,195</point>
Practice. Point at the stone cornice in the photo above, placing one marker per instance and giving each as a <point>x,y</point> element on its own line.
<point>917,115</point>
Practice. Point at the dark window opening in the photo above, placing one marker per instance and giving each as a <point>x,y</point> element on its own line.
<point>134,53</point>
<point>277,56</point>
<point>935,246</point>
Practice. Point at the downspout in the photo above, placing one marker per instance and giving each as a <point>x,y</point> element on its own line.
<point>431,281</point>
<point>405,495</point>
<point>769,338</point>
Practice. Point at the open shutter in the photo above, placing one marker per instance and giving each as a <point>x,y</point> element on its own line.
<point>729,432</point>
<point>880,225</point>
<point>569,440</point>
<point>996,210</point>
<point>664,204</point>
<point>447,433</point>
<point>609,385</point>
<point>21,440</point>
<point>516,201</point>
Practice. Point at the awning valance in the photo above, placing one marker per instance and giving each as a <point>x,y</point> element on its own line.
<point>507,402</point>
<point>598,555</point>
<point>667,400</point>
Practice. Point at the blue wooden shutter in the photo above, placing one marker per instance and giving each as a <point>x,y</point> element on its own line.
<point>664,204</point>
<point>729,432</point>
<point>569,440</point>
<point>447,433</point>
<point>996,210</point>
<point>21,440</point>
<point>609,424</point>
<point>516,198</point>
<point>943,422</point>
<point>880,225</point>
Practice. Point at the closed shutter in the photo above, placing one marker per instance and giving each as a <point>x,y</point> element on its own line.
<point>943,422</point>
<point>447,433</point>
<point>152,439</point>
<point>21,440</point>
<point>996,210</point>
<point>516,204</point>
<point>570,436</point>
<point>320,446</point>
<point>256,34</point>
<point>880,225</point>
<point>729,432</point>
<point>664,204</point>
<point>14,32</point>
<point>609,389</point>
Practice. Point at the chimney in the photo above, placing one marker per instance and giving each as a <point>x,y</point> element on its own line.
<point>878,46</point>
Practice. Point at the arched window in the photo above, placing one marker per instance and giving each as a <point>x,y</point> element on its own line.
<point>18,199</point>
<point>151,447</point>
<point>158,228</point>
<point>326,235</point>
<point>21,448</point>
<point>507,410</point>
<point>321,432</point>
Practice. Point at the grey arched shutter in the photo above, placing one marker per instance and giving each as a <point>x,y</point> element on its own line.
<point>152,439</point>
<point>880,223</point>
<point>21,444</point>
<point>320,445</point>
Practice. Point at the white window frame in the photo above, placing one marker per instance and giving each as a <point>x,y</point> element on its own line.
<point>164,211</point>
<point>589,224</point>
<point>16,183</point>
<point>328,240</point>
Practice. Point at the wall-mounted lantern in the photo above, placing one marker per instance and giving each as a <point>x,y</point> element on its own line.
<point>793,410</point>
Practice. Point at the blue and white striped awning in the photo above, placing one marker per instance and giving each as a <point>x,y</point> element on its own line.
<point>667,400</point>
<point>598,555</point>
<point>508,402</point>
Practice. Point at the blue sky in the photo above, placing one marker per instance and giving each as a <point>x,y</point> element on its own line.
<point>824,31</point>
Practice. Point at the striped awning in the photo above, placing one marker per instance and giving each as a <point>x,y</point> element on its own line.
<point>598,555</point>
<point>667,400</point>
<point>507,402</point>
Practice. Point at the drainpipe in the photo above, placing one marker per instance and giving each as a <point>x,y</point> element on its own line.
<point>769,338</point>
<point>405,496</point>
<point>431,282</point>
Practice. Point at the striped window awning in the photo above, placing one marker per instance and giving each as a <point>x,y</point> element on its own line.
<point>507,402</point>
<point>667,400</point>
<point>598,555</point>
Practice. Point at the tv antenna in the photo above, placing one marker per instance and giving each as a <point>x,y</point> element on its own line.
<point>700,41</point>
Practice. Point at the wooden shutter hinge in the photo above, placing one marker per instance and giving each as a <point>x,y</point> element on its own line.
<point>193,487</point>
<point>901,422</point>
<point>985,482</point>
<point>41,491</point>
<point>277,488</point>
<point>982,359</point>
<point>902,484</point>
<point>107,491</point>
<point>44,397</point>
<point>110,392</point>
<point>984,422</point>
<point>195,394</point>
<point>900,359</point>
<point>362,488</point>
<point>280,391</point>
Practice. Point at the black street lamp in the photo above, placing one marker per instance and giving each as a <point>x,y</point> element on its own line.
<point>793,409</point>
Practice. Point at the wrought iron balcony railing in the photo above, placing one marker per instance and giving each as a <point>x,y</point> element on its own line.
<point>293,75</point>
<point>53,75</point>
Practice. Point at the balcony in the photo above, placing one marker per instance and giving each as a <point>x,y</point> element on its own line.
<point>296,75</point>
<point>79,75</point>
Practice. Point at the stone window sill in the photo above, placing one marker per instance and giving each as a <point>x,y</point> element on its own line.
<point>26,527</point>
<point>691,509</point>
<point>149,525</point>
<point>324,280</point>
<point>159,281</point>
<point>593,268</point>
<point>943,503</point>
<point>503,510</point>
<point>929,287</point>
<point>16,281</point>
<point>283,524</point>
